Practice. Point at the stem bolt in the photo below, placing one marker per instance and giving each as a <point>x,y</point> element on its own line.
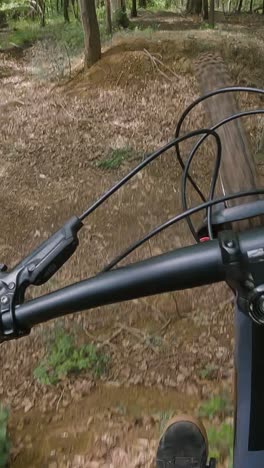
<point>230,244</point>
<point>4,300</point>
<point>11,286</point>
<point>31,267</point>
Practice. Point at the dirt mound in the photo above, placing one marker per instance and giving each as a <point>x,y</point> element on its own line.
<point>122,69</point>
<point>131,64</point>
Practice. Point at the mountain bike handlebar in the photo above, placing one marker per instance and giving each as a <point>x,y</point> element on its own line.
<point>235,258</point>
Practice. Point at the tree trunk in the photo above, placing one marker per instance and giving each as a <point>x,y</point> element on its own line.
<point>66,11</point>
<point>57,6</point>
<point>143,3</point>
<point>237,171</point>
<point>108,17</point>
<point>134,9</point>
<point>251,6</point>
<point>205,10</point>
<point>240,6</point>
<point>194,7</point>
<point>263,8</point>
<point>75,9</point>
<point>212,14</point>
<point>3,21</point>
<point>42,6</point>
<point>92,42</point>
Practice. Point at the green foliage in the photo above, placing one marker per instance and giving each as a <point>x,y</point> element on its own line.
<point>220,441</point>
<point>4,439</point>
<point>216,406</point>
<point>120,19</point>
<point>116,158</point>
<point>208,372</point>
<point>206,26</point>
<point>64,358</point>
<point>25,31</point>
<point>13,5</point>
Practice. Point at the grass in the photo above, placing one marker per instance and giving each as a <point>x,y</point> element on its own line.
<point>217,406</point>
<point>208,372</point>
<point>64,358</point>
<point>4,439</point>
<point>220,442</point>
<point>207,26</point>
<point>25,32</point>
<point>164,417</point>
<point>116,158</point>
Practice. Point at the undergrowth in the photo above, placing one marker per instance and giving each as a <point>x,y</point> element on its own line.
<point>217,406</point>
<point>64,357</point>
<point>4,439</point>
<point>116,157</point>
<point>24,32</point>
<point>220,440</point>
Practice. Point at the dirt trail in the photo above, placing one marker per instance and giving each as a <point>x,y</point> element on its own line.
<point>52,142</point>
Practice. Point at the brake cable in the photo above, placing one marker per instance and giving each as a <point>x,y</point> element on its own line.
<point>178,218</point>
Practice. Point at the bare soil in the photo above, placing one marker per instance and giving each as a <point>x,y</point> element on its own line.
<point>52,139</point>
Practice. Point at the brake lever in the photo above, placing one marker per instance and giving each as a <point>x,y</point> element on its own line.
<point>36,269</point>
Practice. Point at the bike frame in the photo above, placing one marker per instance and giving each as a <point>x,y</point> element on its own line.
<point>196,265</point>
<point>249,388</point>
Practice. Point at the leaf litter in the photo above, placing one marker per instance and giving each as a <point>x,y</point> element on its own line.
<point>52,141</point>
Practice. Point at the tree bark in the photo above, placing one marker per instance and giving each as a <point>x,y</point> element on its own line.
<point>212,14</point>
<point>134,9</point>
<point>205,10</point>
<point>42,5</point>
<point>3,21</point>
<point>92,42</point>
<point>237,171</point>
<point>66,11</point>
<point>251,6</point>
<point>194,7</point>
<point>108,17</point>
<point>240,6</point>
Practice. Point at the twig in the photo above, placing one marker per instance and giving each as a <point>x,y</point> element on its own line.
<point>166,67</point>
<point>112,337</point>
<point>119,78</point>
<point>138,334</point>
<point>102,342</point>
<point>154,61</point>
<point>177,308</point>
<point>67,112</point>
<point>59,400</point>
<point>165,326</point>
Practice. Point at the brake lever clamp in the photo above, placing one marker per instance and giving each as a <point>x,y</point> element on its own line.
<point>36,269</point>
<point>244,272</point>
<point>8,299</point>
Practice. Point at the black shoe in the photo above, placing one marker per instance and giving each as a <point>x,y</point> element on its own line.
<point>183,444</point>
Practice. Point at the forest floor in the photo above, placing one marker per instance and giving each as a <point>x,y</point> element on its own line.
<point>166,353</point>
